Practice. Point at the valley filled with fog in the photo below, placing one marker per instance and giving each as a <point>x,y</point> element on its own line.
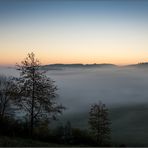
<point>124,90</point>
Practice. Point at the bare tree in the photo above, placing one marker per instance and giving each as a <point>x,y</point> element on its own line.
<point>100,124</point>
<point>7,96</point>
<point>37,92</point>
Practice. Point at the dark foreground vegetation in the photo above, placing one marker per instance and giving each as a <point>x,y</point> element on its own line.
<point>17,133</point>
<point>43,135</point>
<point>21,142</point>
<point>28,105</point>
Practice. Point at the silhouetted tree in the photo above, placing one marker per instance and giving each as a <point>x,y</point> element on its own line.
<point>100,124</point>
<point>37,92</point>
<point>8,91</point>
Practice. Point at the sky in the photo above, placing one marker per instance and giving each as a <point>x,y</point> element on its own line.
<point>74,31</point>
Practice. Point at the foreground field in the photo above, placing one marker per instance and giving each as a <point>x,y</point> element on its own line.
<point>19,142</point>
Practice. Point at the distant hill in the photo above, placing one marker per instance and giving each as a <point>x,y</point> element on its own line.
<point>62,66</point>
<point>139,65</point>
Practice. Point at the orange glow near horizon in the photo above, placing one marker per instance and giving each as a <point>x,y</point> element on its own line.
<point>74,32</point>
<point>47,58</point>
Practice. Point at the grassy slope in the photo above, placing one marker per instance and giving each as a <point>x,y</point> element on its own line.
<point>19,142</point>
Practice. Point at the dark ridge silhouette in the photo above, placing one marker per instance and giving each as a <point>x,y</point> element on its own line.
<point>61,66</point>
<point>139,65</point>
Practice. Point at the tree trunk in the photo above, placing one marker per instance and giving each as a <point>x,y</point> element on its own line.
<point>32,119</point>
<point>32,108</point>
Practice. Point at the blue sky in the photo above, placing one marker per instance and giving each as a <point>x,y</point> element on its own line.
<point>75,29</point>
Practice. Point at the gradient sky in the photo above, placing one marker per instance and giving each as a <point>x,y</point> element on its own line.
<point>68,31</point>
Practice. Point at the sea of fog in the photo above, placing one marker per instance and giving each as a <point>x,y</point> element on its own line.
<point>124,90</point>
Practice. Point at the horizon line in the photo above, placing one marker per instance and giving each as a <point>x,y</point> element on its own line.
<point>120,65</point>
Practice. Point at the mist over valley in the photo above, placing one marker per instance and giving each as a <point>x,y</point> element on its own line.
<point>122,89</point>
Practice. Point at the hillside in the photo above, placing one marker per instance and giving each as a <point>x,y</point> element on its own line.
<point>63,66</point>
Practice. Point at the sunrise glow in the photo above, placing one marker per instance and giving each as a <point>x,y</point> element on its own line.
<point>74,31</point>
